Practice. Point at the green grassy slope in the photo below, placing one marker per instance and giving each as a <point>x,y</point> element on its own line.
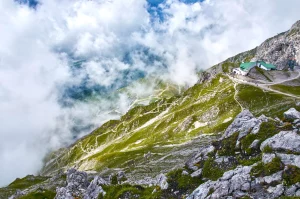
<point>165,127</point>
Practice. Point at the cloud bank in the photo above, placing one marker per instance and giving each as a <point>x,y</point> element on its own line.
<point>116,42</point>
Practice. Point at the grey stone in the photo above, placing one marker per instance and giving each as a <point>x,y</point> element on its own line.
<point>243,123</point>
<point>276,177</point>
<point>200,156</point>
<point>289,159</point>
<point>268,157</point>
<point>162,181</point>
<point>232,181</point>
<point>276,191</point>
<point>285,140</point>
<point>197,173</point>
<point>185,173</point>
<point>291,191</point>
<point>292,114</point>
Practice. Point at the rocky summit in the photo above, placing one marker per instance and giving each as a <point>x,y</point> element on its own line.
<point>228,136</point>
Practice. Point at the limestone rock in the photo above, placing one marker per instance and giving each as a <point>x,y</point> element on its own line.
<point>77,184</point>
<point>233,181</point>
<point>289,159</point>
<point>244,123</point>
<point>197,173</point>
<point>285,140</point>
<point>268,157</point>
<point>274,178</point>
<point>200,156</point>
<point>162,181</point>
<point>292,114</point>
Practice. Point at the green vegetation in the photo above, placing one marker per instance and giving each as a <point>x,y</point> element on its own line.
<point>228,66</point>
<point>267,129</point>
<point>263,102</point>
<point>291,175</point>
<point>130,191</point>
<point>248,162</point>
<point>295,90</point>
<point>227,146</point>
<point>40,194</point>
<point>182,183</point>
<point>262,169</point>
<point>26,182</point>
<point>211,170</point>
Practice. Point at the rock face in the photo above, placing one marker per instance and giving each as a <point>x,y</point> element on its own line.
<point>79,187</point>
<point>292,114</point>
<point>280,48</point>
<point>162,181</point>
<point>200,156</point>
<point>283,141</point>
<point>235,182</point>
<point>244,123</point>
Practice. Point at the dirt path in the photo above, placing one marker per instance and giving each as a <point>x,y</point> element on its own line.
<point>266,85</point>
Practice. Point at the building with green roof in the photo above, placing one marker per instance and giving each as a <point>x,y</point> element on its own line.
<point>247,66</point>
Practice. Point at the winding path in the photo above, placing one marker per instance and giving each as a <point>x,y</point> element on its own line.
<point>265,86</point>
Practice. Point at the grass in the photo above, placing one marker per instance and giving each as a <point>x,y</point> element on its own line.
<point>130,191</point>
<point>259,102</point>
<point>262,169</point>
<point>226,147</point>
<point>211,170</point>
<point>295,90</point>
<point>40,194</point>
<point>26,182</point>
<point>291,175</point>
<point>182,183</point>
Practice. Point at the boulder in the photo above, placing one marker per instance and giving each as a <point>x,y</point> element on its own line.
<point>283,141</point>
<point>77,183</point>
<point>268,157</point>
<point>197,173</point>
<point>244,123</point>
<point>95,188</point>
<point>274,178</point>
<point>162,181</point>
<point>289,159</point>
<point>255,144</point>
<point>233,181</point>
<point>292,114</point>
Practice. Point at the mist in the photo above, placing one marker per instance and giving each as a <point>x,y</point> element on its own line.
<point>48,100</point>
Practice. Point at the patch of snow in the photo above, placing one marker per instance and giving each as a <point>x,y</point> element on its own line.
<point>200,124</point>
<point>227,120</point>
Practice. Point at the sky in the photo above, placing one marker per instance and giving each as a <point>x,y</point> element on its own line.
<point>115,42</point>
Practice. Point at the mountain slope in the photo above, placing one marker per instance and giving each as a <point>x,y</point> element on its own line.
<point>163,136</point>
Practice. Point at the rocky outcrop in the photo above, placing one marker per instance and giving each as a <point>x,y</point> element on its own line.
<point>78,186</point>
<point>283,141</point>
<point>235,182</point>
<point>162,181</point>
<point>292,114</point>
<point>244,123</point>
<point>198,157</point>
<point>279,49</point>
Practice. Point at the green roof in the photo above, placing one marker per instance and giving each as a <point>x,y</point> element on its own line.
<point>268,66</point>
<point>247,66</point>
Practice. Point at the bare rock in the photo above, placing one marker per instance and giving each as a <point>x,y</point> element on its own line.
<point>292,114</point>
<point>285,140</point>
<point>162,181</point>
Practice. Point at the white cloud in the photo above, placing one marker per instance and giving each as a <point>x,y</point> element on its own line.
<point>36,45</point>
